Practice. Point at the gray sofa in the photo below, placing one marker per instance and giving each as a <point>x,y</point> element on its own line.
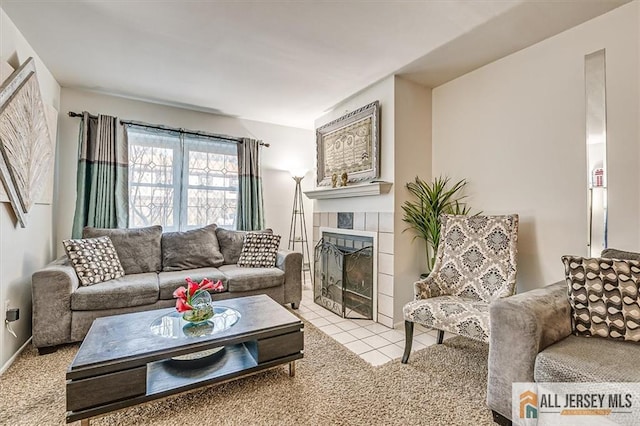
<point>531,341</point>
<point>155,264</point>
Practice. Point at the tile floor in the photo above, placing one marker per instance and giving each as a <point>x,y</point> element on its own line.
<point>373,342</point>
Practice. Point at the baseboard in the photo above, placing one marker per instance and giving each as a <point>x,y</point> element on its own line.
<point>13,358</point>
<point>399,325</point>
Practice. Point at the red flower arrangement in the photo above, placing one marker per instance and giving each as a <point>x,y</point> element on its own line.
<point>185,296</point>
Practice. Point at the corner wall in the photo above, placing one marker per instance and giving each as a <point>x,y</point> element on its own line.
<point>290,148</point>
<point>22,250</point>
<point>382,91</point>
<point>515,129</point>
<point>405,121</point>
<point>412,158</point>
<point>370,213</point>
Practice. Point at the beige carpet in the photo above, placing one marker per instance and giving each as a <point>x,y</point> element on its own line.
<point>442,385</point>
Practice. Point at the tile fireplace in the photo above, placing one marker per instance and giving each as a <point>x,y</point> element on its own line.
<point>379,227</point>
<point>344,278</point>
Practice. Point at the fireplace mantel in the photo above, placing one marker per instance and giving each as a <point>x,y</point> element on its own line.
<point>360,190</point>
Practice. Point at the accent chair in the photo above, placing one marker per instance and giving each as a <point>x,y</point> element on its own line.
<point>475,265</point>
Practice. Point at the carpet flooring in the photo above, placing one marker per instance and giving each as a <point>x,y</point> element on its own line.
<point>442,385</point>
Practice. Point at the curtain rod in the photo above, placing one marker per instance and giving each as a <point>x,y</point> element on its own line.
<point>174,129</point>
<point>80,115</point>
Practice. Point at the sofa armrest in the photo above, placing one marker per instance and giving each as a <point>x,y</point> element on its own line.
<point>51,289</point>
<point>291,263</point>
<point>521,326</point>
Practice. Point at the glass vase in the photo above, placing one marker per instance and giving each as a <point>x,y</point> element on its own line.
<point>202,308</point>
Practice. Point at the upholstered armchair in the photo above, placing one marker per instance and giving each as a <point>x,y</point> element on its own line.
<point>475,265</point>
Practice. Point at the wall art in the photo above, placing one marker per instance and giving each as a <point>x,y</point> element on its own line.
<point>26,149</point>
<point>351,145</point>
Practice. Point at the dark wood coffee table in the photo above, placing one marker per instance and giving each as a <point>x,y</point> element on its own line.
<point>134,358</point>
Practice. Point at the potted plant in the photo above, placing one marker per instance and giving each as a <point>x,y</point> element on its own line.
<point>194,302</point>
<point>430,200</point>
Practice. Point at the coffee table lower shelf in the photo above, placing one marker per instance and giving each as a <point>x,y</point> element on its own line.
<point>169,377</point>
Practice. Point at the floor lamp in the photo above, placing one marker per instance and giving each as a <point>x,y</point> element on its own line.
<point>298,229</point>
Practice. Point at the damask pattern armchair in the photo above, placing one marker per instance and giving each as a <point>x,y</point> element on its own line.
<point>475,265</point>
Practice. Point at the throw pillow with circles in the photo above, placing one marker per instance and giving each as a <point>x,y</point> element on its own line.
<point>259,250</point>
<point>94,259</point>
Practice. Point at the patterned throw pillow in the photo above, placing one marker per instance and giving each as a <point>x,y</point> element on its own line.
<point>259,250</point>
<point>94,259</point>
<point>604,299</point>
<point>231,243</point>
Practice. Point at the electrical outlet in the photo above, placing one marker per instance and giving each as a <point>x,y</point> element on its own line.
<point>13,314</point>
<point>7,324</point>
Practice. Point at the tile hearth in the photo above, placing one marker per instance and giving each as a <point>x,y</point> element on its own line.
<point>372,341</point>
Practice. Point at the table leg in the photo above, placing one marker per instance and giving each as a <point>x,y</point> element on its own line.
<point>84,422</point>
<point>292,369</point>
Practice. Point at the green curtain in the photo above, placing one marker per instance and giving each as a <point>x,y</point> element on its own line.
<point>250,202</point>
<point>102,179</point>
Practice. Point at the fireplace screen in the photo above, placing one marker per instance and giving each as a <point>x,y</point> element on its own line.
<point>344,275</point>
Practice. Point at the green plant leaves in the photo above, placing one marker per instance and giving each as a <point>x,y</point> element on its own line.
<point>430,201</point>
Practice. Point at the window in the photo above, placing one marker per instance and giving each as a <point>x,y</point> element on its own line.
<point>181,181</point>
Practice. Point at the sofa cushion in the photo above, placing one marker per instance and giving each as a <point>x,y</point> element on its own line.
<point>231,243</point>
<point>196,248</point>
<point>612,253</point>
<point>604,297</point>
<point>249,279</point>
<point>125,292</point>
<point>138,248</point>
<point>259,250</point>
<point>95,260</point>
<point>170,281</point>
<point>466,317</point>
<point>576,359</point>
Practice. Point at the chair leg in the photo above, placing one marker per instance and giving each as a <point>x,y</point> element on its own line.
<point>408,340</point>
<point>440,336</point>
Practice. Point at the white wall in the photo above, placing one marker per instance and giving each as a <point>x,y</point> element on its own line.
<point>405,120</point>
<point>515,129</point>
<point>382,91</point>
<point>22,250</point>
<point>290,147</point>
<point>412,158</point>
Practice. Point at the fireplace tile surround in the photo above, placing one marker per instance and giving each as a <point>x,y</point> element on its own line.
<point>380,223</point>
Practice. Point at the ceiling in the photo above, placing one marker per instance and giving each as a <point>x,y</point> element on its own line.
<point>284,62</point>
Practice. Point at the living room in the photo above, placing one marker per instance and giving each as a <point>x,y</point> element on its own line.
<point>510,119</point>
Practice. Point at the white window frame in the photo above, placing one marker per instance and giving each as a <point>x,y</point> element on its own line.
<point>181,150</point>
